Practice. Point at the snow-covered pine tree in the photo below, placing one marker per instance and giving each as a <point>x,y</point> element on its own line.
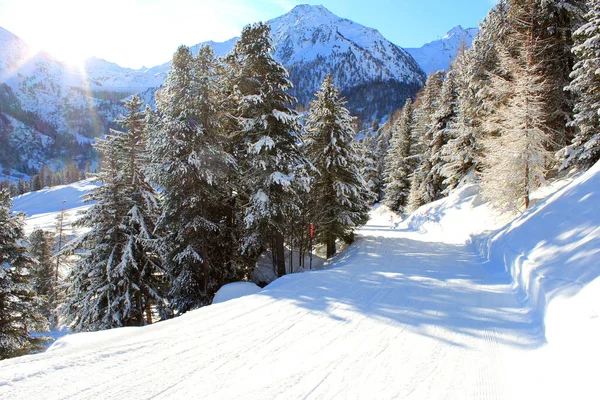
<point>339,196</point>
<point>414,198</point>
<point>555,22</point>
<point>381,145</point>
<point>425,123</point>
<point>462,154</point>
<point>140,271</point>
<point>516,160</point>
<point>19,305</point>
<point>399,165</point>
<point>41,246</point>
<point>481,63</point>
<point>60,225</point>
<point>117,279</point>
<point>367,168</point>
<point>585,147</point>
<point>373,161</point>
<point>440,132</point>
<point>272,167</point>
<point>191,166</point>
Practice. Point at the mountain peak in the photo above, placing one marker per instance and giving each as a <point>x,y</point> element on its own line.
<point>438,54</point>
<point>461,32</point>
<point>304,9</point>
<point>306,15</point>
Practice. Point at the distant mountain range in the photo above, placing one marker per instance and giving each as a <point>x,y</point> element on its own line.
<point>50,112</point>
<point>438,55</point>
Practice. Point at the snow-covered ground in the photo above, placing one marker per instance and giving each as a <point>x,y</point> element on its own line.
<point>43,206</point>
<point>414,312</point>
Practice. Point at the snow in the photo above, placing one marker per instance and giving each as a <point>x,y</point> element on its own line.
<point>458,217</point>
<point>43,206</point>
<point>235,290</point>
<point>50,199</point>
<point>281,179</point>
<point>413,312</point>
<point>438,54</point>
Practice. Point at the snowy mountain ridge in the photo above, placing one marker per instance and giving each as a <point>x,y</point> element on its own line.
<point>63,108</point>
<point>50,112</point>
<point>301,37</point>
<point>438,54</point>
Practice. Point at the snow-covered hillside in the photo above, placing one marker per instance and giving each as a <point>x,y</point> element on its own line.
<point>438,54</point>
<point>48,113</point>
<point>410,312</point>
<point>43,206</point>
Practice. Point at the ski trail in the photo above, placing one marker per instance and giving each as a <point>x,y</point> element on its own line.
<point>396,315</point>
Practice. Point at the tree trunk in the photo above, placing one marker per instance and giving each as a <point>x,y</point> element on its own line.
<point>291,254</point>
<point>526,185</point>
<point>148,309</point>
<point>204,255</point>
<point>279,254</point>
<point>330,246</point>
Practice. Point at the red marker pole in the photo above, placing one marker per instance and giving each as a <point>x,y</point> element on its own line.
<point>312,235</point>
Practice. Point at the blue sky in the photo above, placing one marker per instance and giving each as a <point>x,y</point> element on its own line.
<point>136,33</point>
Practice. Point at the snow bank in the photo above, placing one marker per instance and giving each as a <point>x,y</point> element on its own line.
<point>456,218</point>
<point>552,253</point>
<point>235,290</point>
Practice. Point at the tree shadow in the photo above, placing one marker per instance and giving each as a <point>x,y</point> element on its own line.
<point>422,285</point>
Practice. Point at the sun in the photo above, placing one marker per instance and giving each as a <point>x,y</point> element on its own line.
<point>71,56</point>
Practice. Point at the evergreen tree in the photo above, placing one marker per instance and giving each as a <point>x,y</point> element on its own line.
<point>60,233</point>
<point>191,166</point>
<point>367,168</point>
<point>398,161</point>
<point>426,189</point>
<point>117,279</point>
<point>585,147</point>
<point>481,63</point>
<point>414,198</point>
<point>554,24</point>
<point>338,191</point>
<point>41,244</point>
<point>440,133</point>
<point>462,154</point>
<point>381,147</point>
<point>19,304</point>
<point>272,167</point>
<point>517,159</point>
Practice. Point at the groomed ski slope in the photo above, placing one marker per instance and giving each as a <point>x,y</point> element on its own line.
<point>407,313</point>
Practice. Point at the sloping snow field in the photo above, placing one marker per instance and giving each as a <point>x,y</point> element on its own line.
<point>410,313</point>
<point>43,206</point>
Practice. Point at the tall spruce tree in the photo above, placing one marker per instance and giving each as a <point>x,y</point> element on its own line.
<point>272,168</point>
<point>20,306</point>
<point>338,192</point>
<point>191,166</point>
<point>399,165</point>
<point>462,153</point>
<point>585,147</point>
<point>440,132</point>
<point>423,189</point>
<point>41,246</point>
<point>368,168</point>
<point>117,278</point>
<point>555,22</point>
